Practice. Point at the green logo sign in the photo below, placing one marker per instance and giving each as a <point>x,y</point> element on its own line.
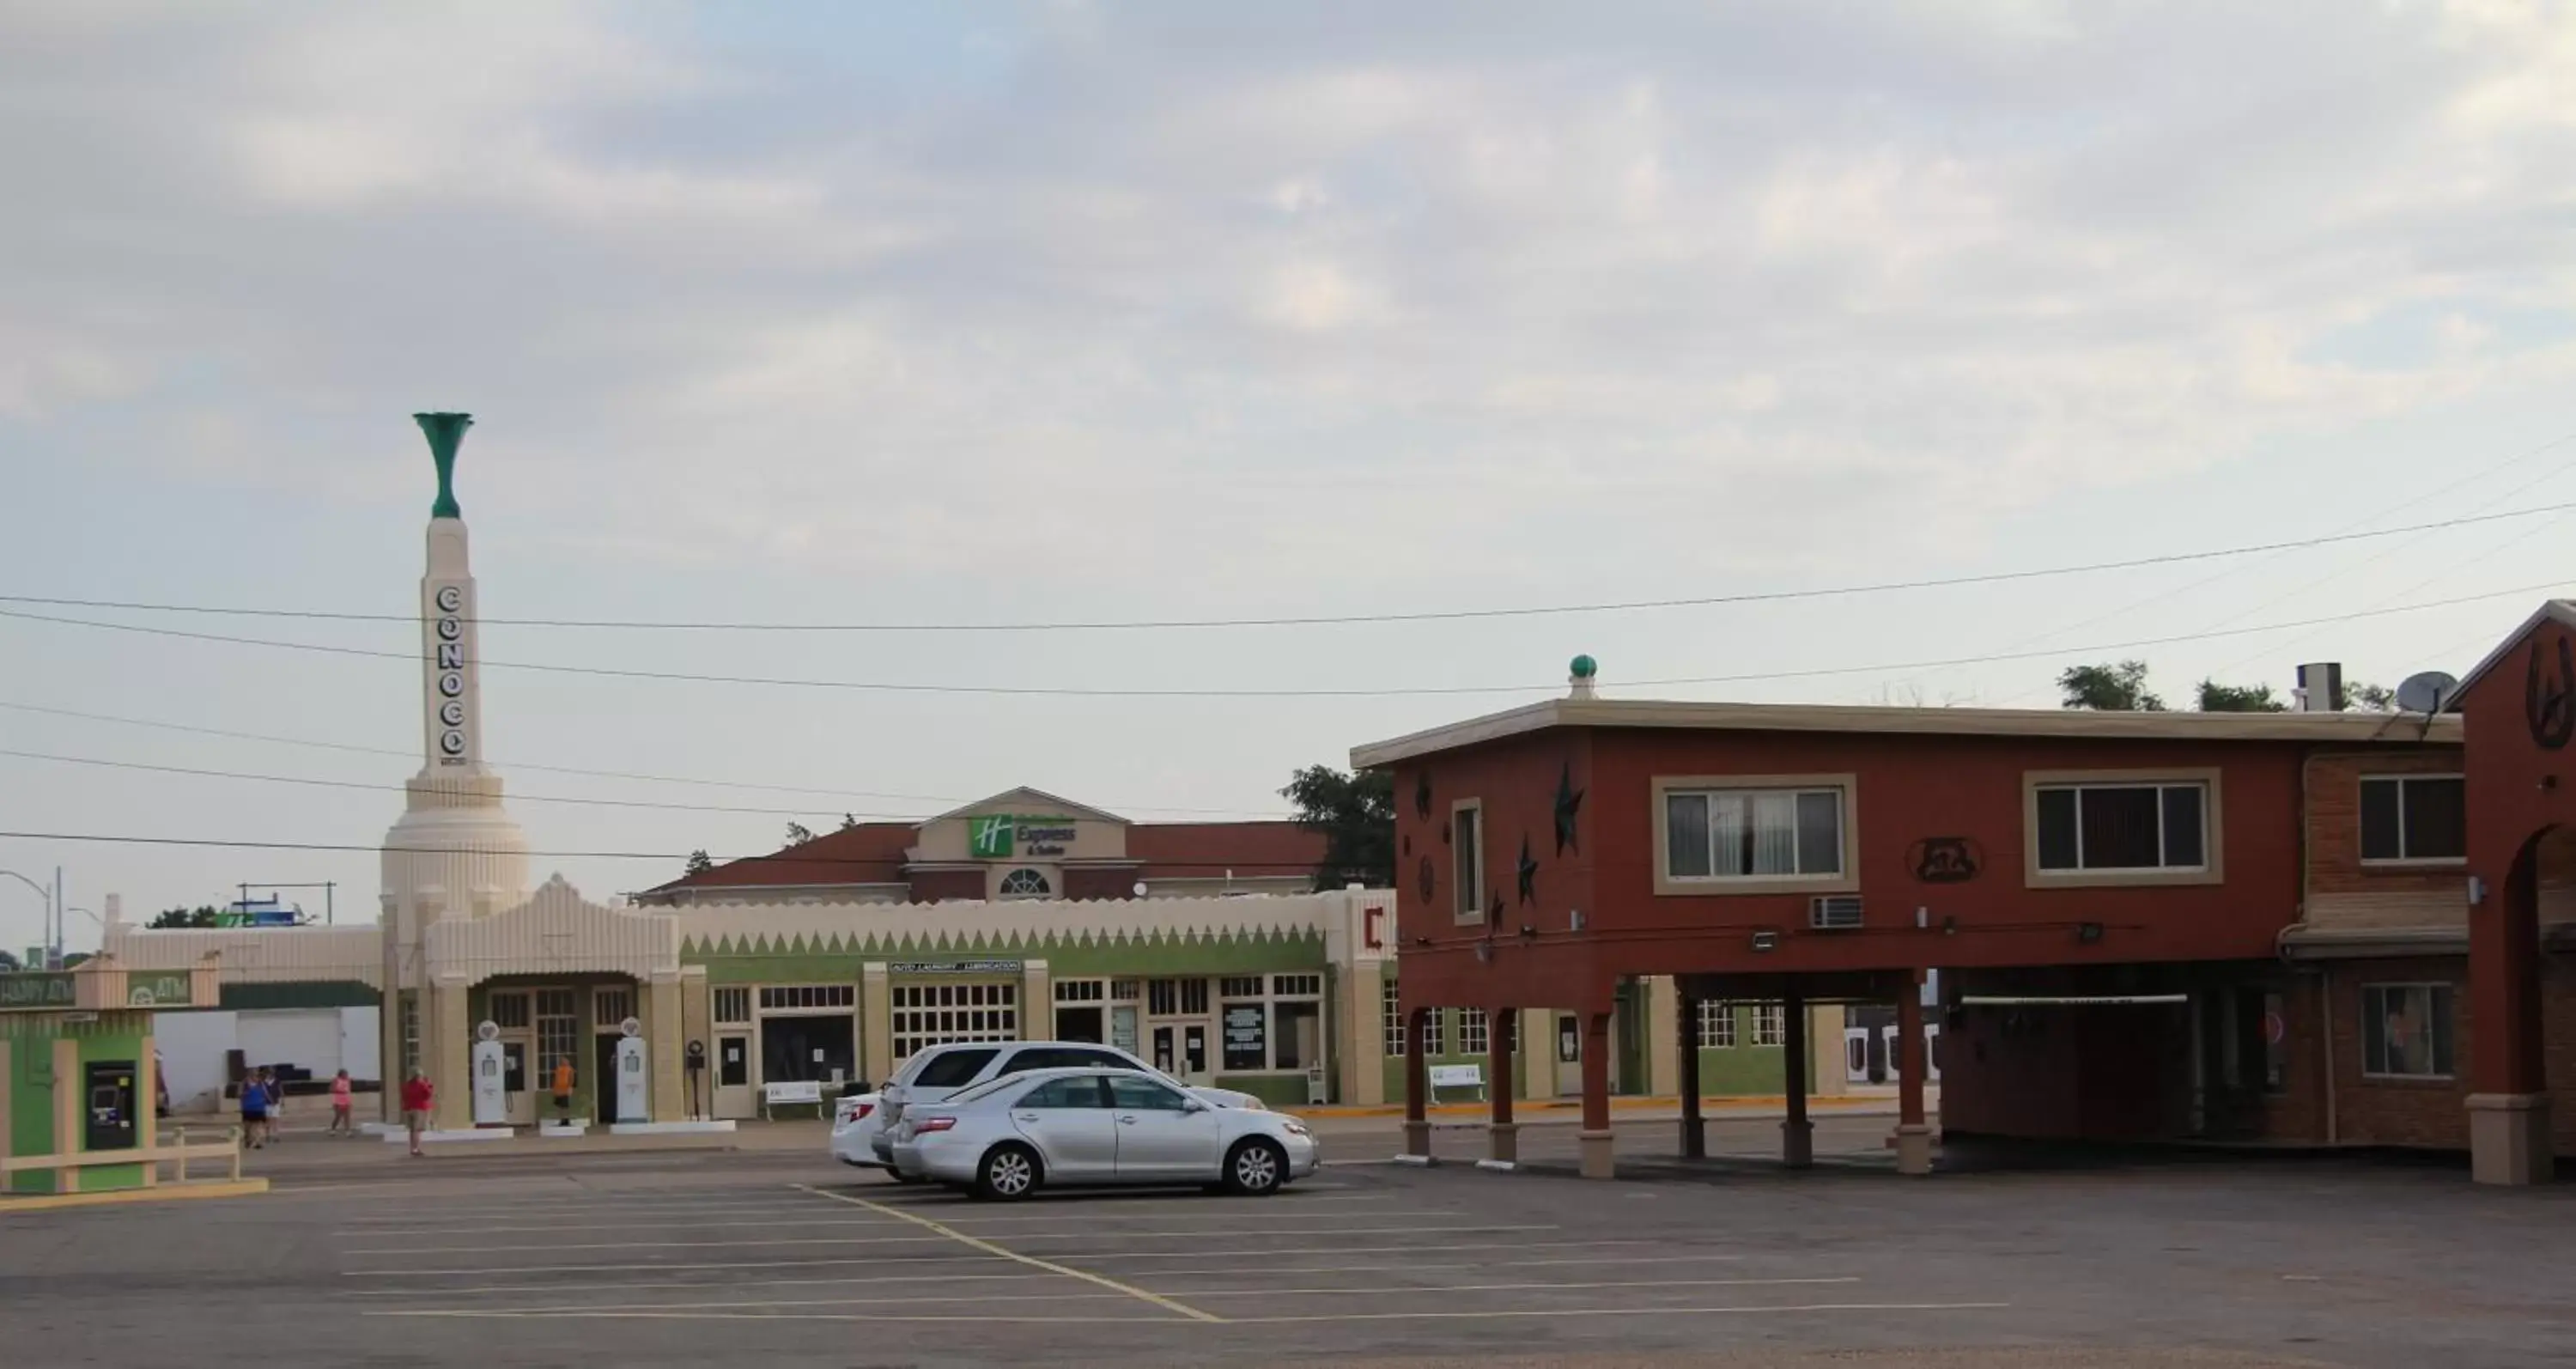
<point>38,990</point>
<point>157,990</point>
<point>989,838</point>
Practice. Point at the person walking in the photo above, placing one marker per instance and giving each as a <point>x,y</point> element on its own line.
<point>254,1110</point>
<point>416,1099</point>
<point>563,1088</point>
<point>342,1104</point>
<point>276,1103</point>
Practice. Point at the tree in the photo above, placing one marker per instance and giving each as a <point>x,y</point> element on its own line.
<point>1356,814</point>
<point>2369,698</point>
<point>2120,687</point>
<point>699,863</point>
<point>848,821</point>
<point>9,962</point>
<point>2219,698</point>
<point>203,915</point>
<point>798,834</point>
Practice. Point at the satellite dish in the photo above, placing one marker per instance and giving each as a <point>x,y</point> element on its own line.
<point>2428,692</point>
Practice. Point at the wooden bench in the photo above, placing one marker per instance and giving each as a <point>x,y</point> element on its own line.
<point>794,1093</point>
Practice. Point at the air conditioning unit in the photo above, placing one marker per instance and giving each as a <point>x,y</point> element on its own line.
<point>1833,912</point>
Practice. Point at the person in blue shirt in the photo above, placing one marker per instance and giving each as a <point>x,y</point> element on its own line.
<point>254,1110</point>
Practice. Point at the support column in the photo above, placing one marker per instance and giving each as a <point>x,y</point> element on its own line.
<point>147,1104</point>
<point>663,1041</point>
<point>1594,1138</point>
<point>1686,1053</point>
<point>446,1048</point>
<point>2509,1139</point>
<point>1663,1012</point>
<point>1913,1135</point>
<point>1417,1083</point>
<point>1362,1031</point>
<point>66,1100</point>
<point>1797,1134</point>
<point>1503,1135</point>
<point>876,1024</point>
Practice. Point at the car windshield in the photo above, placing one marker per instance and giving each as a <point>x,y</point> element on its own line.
<point>952,1069</point>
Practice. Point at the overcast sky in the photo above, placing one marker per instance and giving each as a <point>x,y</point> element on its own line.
<point>943,314</point>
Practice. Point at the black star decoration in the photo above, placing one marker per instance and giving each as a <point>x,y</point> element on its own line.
<point>1569,806</point>
<point>1529,872</point>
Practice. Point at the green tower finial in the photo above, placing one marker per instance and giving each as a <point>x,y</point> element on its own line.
<point>1585,667</point>
<point>445,432</point>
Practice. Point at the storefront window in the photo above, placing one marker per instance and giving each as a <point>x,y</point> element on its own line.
<point>1297,1036</point>
<point>1247,1045</point>
<point>2406,1030</point>
<point>1272,1023</point>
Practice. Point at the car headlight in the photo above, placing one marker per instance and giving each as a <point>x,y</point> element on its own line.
<point>1292,1126</point>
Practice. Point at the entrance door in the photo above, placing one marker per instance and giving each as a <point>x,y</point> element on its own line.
<point>603,1079</point>
<point>1569,1055</point>
<point>1080,1024</point>
<point>733,1075</point>
<point>521,1104</point>
<point>1181,1050</point>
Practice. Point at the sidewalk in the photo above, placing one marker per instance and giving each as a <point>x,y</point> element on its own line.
<point>1866,1103</point>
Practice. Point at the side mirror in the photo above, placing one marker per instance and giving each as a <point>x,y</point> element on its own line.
<point>1194,1105</point>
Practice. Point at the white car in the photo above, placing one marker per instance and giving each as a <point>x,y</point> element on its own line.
<point>1010,1136</point>
<point>859,1126</point>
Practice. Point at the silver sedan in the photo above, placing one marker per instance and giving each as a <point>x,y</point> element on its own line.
<point>1007,1138</point>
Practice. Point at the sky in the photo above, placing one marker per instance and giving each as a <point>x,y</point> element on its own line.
<point>972,315</point>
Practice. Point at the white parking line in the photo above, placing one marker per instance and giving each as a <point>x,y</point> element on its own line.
<point>979,1319</point>
<point>630,1266</point>
<point>854,1219</point>
<point>762,1244</point>
<point>915,1300</point>
<point>1034,1262</point>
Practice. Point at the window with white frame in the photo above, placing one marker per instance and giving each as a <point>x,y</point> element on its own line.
<point>558,1030</point>
<point>1753,834</point>
<point>1081,990</point>
<point>1435,1032</point>
<point>1391,1021</point>
<point>936,1014</point>
<point>410,1033</point>
<point>2088,827</point>
<point>1769,1025</point>
<point>611,1007</point>
<point>1716,1024</point>
<point>509,1009</point>
<point>2406,1031</point>
<point>1176,997</point>
<point>2414,817</point>
<point>1026,883</point>
<point>1466,842</point>
<point>1472,1036</point>
<point>733,1005</point>
<point>1270,1023</point>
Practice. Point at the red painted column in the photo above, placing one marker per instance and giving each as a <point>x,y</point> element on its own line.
<point>1797,1134</point>
<point>1694,1126</point>
<point>1594,1138</point>
<point>1913,1136</point>
<point>1417,1083</point>
<point>2509,1135</point>
<point>1503,1134</point>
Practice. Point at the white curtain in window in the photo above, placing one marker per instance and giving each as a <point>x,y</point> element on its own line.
<point>1726,825</point>
<point>1775,833</point>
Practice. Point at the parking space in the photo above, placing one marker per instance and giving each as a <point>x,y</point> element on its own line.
<point>794,1263</point>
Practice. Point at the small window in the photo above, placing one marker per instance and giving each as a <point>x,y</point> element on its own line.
<point>2123,827</point>
<point>1720,834</point>
<point>1082,1091</point>
<point>1472,1035</point>
<point>1466,827</point>
<point>1144,1095</point>
<point>952,1069</point>
<point>1769,1026</point>
<point>1026,883</point>
<point>732,1005</point>
<point>1435,1032</point>
<point>1391,1021</point>
<point>2406,1030</point>
<point>1716,1024</point>
<point>2414,817</point>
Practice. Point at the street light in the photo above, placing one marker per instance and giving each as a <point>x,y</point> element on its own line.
<point>50,893</point>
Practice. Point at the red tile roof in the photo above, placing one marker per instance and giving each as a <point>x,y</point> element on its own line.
<point>873,853</point>
<point>870,853</point>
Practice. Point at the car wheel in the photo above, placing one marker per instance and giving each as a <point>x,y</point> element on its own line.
<point>1256,1168</point>
<point>1008,1173</point>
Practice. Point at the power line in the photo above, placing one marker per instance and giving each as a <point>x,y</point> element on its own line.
<point>514,765</point>
<point>1386,692</point>
<point>1249,868</point>
<point>1323,620</point>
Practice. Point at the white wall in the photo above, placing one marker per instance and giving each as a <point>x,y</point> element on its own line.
<point>323,1040</point>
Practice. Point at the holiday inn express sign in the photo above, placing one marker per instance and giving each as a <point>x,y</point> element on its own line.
<point>1000,836</point>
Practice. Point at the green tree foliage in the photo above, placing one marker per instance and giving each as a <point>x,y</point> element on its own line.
<point>798,834</point>
<point>848,821</point>
<point>9,962</point>
<point>2118,687</point>
<point>2219,698</point>
<point>203,915</point>
<point>700,862</point>
<point>2369,698</point>
<point>1356,814</point>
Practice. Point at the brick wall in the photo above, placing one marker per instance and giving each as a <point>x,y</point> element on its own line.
<point>2399,1112</point>
<point>2343,892</point>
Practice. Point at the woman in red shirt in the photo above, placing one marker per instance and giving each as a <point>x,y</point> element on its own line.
<point>415,1101</point>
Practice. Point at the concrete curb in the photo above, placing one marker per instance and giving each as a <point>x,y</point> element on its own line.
<point>164,1193</point>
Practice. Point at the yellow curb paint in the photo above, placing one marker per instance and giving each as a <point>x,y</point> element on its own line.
<point>163,1193</point>
<point>977,1243</point>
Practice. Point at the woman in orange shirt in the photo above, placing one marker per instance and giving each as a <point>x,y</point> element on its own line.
<point>563,1087</point>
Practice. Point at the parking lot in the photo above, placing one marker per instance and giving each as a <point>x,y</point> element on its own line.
<point>674,1258</point>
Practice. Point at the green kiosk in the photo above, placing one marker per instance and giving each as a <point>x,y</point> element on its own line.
<point>76,1075</point>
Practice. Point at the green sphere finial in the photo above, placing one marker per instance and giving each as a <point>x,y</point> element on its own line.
<point>1584,667</point>
<point>445,432</point>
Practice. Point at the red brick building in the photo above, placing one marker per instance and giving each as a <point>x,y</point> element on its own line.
<point>2146,925</point>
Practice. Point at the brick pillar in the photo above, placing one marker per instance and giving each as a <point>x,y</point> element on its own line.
<point>876,1024</point>
<point>1797,1134</point>
<point>1594,1139</point>
<point>663,1042</point>
<point>1503,1134</point>
<point>2509,1139</point>
<point>1913,1136</point>
<point>1417,1082</point>
<point>446,1049</point>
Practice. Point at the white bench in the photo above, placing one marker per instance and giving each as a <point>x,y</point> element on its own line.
<point>806,1091</point>
<point>1457,1077</point>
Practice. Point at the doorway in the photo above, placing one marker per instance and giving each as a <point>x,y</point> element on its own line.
<point>603,1080</point>
<point>1569,1055</point>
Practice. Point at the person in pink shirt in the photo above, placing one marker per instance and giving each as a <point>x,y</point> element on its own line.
<point>342,1122</point>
